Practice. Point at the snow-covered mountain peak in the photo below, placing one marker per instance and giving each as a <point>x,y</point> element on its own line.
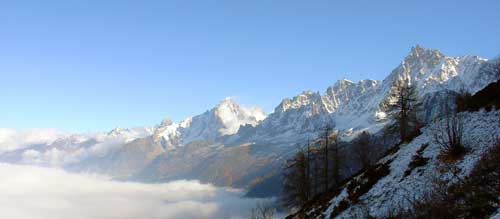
<point>125,134</point>
<point>232,115</point>
<point>224,119</point>
<point>430,70</point>
<point>421,60</point>
<point>423,53</point>
<point>344,91</point>
<point>303,99</point>
<point>186,122</point>
<point>341,92</point>
<point>167,134</point>
<point>228,100</point>
<point>117,131</point>
<point>166,122</point>
<point>362,105</point>
<point>343,82</point>
<point>227,104</point>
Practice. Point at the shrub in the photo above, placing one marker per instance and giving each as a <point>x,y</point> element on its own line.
<point>449,136</point>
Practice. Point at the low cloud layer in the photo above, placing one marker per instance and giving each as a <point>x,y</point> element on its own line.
<point>12,139</point>
<point>62,148</point>
<point>34,192</point>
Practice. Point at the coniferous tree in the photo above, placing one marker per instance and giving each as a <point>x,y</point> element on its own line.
<point>406,108</point>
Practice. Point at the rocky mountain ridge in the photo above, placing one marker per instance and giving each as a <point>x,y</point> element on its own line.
<point>231,145</point>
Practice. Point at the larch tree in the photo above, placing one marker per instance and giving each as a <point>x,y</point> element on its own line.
<point>406,108</point>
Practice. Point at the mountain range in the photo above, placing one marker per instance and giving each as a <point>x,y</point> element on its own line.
<point>237,146</point>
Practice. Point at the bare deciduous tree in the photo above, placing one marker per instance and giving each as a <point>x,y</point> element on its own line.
<point>326,138</point>
<point>308,170</point>
<point>449,133</point>
<point>337,156</point>
<point>315,173</point>
<point>263,210</point>
<point>295,181</point>
<point>363,150</point>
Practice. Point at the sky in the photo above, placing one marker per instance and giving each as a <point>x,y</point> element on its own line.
<point>95,65</point>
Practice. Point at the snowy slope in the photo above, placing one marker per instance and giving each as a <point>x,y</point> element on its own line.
<point>396,188</point>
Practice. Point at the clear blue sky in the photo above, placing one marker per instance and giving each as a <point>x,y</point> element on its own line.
<point>79,65</point>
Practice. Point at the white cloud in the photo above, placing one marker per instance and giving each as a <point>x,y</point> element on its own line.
<point>35,192</point>
<point>68,150</point>
<point>12,139</point>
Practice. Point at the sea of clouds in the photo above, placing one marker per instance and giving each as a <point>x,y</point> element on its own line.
<point>29,192</point>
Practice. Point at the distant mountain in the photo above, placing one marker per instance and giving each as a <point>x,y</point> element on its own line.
<point>225,119</point>
<point>67,149</point>
<point>231,145</point>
